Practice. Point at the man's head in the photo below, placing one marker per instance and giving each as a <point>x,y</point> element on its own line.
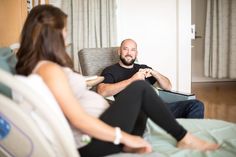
<point>128,52</point>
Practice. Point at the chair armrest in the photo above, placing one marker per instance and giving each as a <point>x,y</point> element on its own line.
<point>173,96</point>
<point>110,99</point>
<point>93,80</point>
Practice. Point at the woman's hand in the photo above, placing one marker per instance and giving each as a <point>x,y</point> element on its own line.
<point>135,144</point>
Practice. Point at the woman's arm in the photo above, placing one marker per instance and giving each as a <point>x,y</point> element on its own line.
<point>55,79</point>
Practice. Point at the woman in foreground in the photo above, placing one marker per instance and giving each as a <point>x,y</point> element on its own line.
<point>42,51</point>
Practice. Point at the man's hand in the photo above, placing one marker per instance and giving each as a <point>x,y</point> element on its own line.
<point>140,75</point>
<point>147,72</point>
<point>163,81</point>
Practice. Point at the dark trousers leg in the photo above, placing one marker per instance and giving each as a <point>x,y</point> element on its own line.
<point>140,124</point>
<point>187,109</point>
<point>124,113</point>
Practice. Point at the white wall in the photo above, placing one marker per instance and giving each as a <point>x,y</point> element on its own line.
<point>154,25</point>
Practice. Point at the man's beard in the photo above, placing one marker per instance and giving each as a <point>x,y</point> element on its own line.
<point>127,63</point>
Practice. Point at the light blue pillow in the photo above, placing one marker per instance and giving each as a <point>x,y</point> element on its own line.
<point>7,62</point>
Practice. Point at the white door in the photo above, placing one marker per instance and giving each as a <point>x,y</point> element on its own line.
<point>198,19</point>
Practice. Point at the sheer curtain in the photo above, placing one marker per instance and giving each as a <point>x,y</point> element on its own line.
<point>91,24</point>
<point>220,39</point>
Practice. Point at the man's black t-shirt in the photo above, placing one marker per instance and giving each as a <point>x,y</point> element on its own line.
<point>116,73</point>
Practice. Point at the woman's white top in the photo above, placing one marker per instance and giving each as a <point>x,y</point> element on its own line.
<point>93,103</point>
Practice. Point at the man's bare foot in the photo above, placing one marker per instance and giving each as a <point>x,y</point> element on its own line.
<point>192,142</point>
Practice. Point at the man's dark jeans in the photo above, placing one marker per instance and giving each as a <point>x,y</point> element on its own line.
<point>187,109</point>
<point>180,109</point>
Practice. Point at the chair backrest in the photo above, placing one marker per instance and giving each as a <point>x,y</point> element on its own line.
<point>40,127</point>
<point>94,60</point>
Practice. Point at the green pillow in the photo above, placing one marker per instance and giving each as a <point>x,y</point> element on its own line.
<point>7,62</point>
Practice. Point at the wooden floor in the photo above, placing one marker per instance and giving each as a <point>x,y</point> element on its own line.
<point>219,99</point>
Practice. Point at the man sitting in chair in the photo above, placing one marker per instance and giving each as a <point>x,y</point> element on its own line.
<point>120,75</point>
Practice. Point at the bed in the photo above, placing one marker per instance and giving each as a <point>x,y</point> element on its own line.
<point>213,130</point>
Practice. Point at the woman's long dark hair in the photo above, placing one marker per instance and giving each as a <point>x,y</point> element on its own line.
<point>42,39</point>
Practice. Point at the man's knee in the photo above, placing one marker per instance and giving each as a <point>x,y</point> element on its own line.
<point>199,105</point>
<point>198,108</point>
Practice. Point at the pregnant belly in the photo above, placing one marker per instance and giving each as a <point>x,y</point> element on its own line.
<point>93,103</point>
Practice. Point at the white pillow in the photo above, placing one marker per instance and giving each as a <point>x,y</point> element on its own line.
<point>36,83</point>
<point>52,108</point>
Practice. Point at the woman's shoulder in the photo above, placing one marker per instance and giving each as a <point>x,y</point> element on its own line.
<point>48,69</point>
<point>45,65</point>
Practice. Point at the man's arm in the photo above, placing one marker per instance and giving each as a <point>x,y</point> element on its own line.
<point>162,81</point>
<point>110,89</point>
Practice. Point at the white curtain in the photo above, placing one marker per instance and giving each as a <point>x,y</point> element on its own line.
<point>91,24</point>
<point>220,39</point>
